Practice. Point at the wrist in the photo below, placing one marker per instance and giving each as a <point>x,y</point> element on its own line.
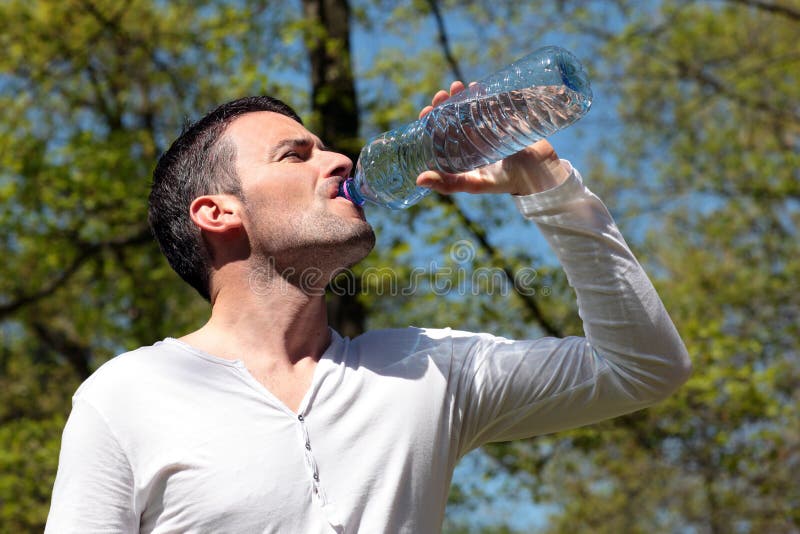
<point>546,175</point>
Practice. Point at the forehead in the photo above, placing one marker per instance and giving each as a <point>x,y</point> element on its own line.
<point>262,130</point>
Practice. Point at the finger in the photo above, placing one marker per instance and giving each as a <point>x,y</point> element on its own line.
<point>456,87</point>
<point>449,183</point>
<point>425,111</point>
<point>440,97</point>
<point>432,180</point>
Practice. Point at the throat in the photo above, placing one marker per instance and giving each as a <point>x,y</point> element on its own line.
<point>287,384</point>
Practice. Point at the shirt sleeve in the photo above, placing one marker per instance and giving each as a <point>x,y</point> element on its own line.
<point>631,355</point>
<point>93,491</point>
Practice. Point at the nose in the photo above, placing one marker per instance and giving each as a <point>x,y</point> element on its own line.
<point>336,164</point>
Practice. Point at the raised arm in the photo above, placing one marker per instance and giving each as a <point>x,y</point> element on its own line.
<point>631,355</point>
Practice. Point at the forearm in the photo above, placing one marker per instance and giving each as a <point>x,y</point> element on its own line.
<point>624,319</point>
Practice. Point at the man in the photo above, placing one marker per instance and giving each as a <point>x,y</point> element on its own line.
<point>265,420</point>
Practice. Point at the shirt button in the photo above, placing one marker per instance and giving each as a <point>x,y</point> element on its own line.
<point>300,418</point>
<point>308,446</point>
<point>316,477</point>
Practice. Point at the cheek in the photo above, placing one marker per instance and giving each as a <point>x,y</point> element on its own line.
<point>278,198</point>
<point>279,185</point>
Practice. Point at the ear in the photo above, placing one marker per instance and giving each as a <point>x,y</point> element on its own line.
<point>216,213</point>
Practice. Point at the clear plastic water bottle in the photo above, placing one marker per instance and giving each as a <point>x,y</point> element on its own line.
<point>496,117</point>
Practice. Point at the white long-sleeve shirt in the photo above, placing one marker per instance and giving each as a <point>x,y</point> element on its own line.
<point>170,439</point>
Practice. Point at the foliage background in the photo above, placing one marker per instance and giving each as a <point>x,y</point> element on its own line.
<point>693,143</point>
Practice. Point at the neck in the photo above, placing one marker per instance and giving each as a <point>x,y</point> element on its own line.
<point>266,322</point>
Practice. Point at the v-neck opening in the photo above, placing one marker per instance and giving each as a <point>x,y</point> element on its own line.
<point>325,359</point>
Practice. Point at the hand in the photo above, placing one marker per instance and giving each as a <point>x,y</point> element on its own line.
<point>534,169</point>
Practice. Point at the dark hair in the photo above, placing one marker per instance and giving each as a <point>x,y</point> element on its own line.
<point>201,161</point>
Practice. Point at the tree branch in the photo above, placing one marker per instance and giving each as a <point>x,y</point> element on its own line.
<point>785,11</point>
<point>87,252</point>
<point>113,25</point>
<point>444,41</point>
<point>696,73</point>
<point>77,354</point>
<point>479,233</point>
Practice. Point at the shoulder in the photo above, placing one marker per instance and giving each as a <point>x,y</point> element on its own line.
<point>384,347</point>
<point>401,339</point>
<point>413,337</point>
<point>130,372</point>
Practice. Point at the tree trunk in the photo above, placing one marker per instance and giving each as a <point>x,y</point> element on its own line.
<point>335,119</point>
<point>333,89</point>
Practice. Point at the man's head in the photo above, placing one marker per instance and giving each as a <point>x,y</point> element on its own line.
<point>252,162</point>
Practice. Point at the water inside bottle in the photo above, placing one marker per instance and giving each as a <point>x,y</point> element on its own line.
<point>480,131</point>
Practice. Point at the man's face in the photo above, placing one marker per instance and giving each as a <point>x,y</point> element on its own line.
<point>290,183</point>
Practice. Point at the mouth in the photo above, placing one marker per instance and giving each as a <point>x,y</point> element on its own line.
<point>334,184</point>
<point>333,190</point>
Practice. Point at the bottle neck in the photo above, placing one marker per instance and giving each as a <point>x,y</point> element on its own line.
<point>349,190</point>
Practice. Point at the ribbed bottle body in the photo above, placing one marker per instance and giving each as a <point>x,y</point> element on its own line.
<point>494,118</point>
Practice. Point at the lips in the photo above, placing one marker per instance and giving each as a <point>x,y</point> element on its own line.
<point>333,184</point>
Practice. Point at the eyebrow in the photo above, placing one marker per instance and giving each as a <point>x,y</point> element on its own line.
<point>297,142</point>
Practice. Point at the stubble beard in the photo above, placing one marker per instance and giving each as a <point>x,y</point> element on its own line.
<point>309,249</point>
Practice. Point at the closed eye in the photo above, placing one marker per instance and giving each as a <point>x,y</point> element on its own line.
<point>291,155</point>
<point>295,148</point>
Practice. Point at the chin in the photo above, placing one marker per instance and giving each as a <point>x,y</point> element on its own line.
<point>342,207</point>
